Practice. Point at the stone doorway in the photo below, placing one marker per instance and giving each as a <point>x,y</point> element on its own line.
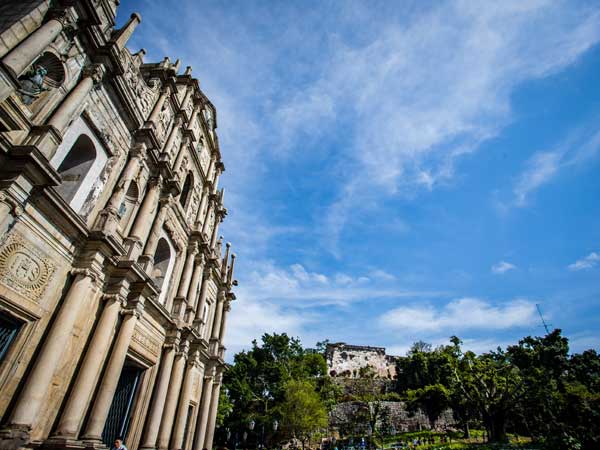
<point>119,415</point>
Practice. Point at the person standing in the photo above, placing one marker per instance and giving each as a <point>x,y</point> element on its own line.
<point>118,445</point>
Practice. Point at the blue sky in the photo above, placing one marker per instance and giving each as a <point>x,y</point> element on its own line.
<point>401,171</point>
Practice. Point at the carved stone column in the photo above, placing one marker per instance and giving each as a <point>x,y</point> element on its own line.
<point>198,270</point>
<point>63,115</point>
<point>21,57</point>
<point>158,400</point>
<point>180,154</point>
<point>184,402</point>
<point>226,309</point>
<point>130,172</point>
<point>158,106</point>
<point>87,376</point>
<point>184,283</point>
<point>173,135</point>
<point>51,355</point>
<point>215,232</point>
<point>203,412</point>
<point>168,416</point>
<point>199,216</point>
<point>202,300</point>
<point>206,224</point>
<point>154,236</point>
<point>216,329</point>
<point>109,217</point>
<point>145,215</point>
<point>212,417</point>
<point>108,386</point>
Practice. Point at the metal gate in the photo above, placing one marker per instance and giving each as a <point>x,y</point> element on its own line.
<point>8,330</point>
<point>119,415</point>
<point>188,421</point>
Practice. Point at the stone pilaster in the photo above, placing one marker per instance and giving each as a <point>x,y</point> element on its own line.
<point>168,416</point>
<point>184,402</point>
<point>34,392</point>
<point>87,376</point>
<point>108,219</point>
<point>204,411</point>
<point>198,271</point>
<point>160,394</point>
<point>143,220</point>
<point>110,379</point>
<point>212,417</point>
<point>63,115</point>
<point>154,236</point>
<point>216,329</point>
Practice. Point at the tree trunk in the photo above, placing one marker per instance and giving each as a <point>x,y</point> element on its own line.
<point>496,428</point>
<point>466,430</point>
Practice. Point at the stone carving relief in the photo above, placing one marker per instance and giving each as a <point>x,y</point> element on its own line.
<point>211,221</point>
<point>146,342</point>
<point>145,96</point>
<point>164,119</point>
<point>176,143</point>
<point>24,268</point>
<point>183,168</point>
<point>203,154</point>
<point>193,207</point>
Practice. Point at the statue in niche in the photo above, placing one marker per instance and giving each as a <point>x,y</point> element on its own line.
<point>32,84</point>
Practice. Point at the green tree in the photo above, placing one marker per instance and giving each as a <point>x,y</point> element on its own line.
<point>225,407</point>
<point>256,382</point>
<point>433,399</point>
<point>302,411</point>
<point>492,384</point>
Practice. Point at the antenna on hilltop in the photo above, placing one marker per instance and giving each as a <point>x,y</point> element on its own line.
<point>539,310</point>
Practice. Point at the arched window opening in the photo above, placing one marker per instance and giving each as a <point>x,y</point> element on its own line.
<point>76,165</point>
<point>162,257</point>
<point>185,191</point>
<point>128,205</point>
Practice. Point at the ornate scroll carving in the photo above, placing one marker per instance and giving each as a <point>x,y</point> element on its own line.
<point>24,268</point>
<point>145,96</point>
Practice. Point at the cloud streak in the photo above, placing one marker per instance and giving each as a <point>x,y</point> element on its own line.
<point>461,315</point>
<point>502,267</point>
<point>588,262</point>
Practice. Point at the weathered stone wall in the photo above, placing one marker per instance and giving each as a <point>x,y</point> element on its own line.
<point>360,386</point>
<point>344,417</point>
<point>348,360</point>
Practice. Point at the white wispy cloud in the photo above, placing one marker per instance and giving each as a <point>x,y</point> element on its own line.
<point>295,285</point>
<point>502,267</point>
<point>460,315</point>
<point>443,83</point>
<point>544,166</point>
<point>587,262</point>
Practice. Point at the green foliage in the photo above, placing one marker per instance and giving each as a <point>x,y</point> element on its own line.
<point>302,410</point>
<point>433,399</point>
<point>535,388</point>
<point>225,407</point>
<point>258,381</point>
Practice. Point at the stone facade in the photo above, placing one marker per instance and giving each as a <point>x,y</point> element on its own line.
<point>393,417</point>
<point>344,360</point>
<point>114,283</point>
